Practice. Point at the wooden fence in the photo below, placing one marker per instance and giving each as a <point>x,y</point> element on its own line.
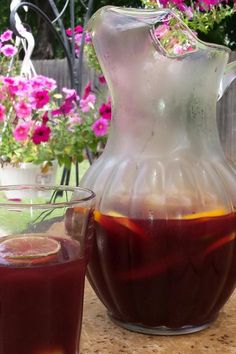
<point>226,108</point>
<point>58,70</point>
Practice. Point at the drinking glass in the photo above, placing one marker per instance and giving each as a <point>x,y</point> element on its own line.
<point>45,244</point>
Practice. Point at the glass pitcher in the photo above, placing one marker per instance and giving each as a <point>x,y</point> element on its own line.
<point>164,258</point>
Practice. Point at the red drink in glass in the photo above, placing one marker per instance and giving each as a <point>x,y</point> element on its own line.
<point>41,298</point>
<point>45,244</point>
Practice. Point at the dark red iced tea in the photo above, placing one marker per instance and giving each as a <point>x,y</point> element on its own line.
<point>41,298</point>
<point>171,273</point>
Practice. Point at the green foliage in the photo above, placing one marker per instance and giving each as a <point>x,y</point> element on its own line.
<point>4,14</point>
<point>204,22</point>
<point>92,58</point>
<point>216,25</point>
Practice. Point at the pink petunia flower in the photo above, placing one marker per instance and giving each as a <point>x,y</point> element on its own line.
<point>6,36</point>
<point>9,80</point>
<point>78,38</point>
<point>50,83</point>
<point>100,127</point>
<point>164,3</point>
<point>40,98</point>
<point>88,38</point>
<point>87,90</point>
<point>70,94</point>
<point>41,134</point>
<point>23,109</point>
<point>2,112</point>
<point>21,131</point>
<point>66,108</point>
<point>105,110</point>
<point>87,103</point>
<point>161,31</point>
<point>41,82</point>
<point>208,4</point>
<point>78,29</point>
<point>8,50</point>
<point>19,87</point>
<point>189,12</point>
<point>45,118</point>
<point>102,79</point>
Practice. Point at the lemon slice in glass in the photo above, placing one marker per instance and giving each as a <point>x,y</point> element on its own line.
<point>28,247</point>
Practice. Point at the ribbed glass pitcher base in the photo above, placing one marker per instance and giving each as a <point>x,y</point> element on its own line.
<point>160,330</point>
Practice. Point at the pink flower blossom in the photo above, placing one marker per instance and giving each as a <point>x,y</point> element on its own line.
<point>56,112</point>
<point>21,131</point>
<point>41,82</point>
<point>6,36</point>
<point>50,83</point>
<point>78,29</point>
<point>45,118</point>
<point>66,108</point>
<point>8,50</point>
<point>2,112</point>
<point>189,12</point>
<point>9,80</point>
<point>105,110</point>
<point>164,3</point>
<point>87,103</point>
<point>41,134</point>
<point>177,2</point>
<point>78,38</point>
<point>100,127</point>
<point>161,31</point>
<point>12,89</point>
<point>88,38</point>
<point>87,90</point>
<point>102,79</point>
<point>20,87</point>
<point>208,4</point>
<point>70,94</point>
<point>23,109</point>
<point>40,98</point>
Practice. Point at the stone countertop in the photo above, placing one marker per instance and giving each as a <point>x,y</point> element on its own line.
<point>100,336</point>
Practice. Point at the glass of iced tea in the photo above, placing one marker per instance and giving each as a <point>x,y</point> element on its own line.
<point>45,244</point>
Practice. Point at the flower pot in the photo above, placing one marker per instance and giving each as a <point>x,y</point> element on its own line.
<point>27,173</point>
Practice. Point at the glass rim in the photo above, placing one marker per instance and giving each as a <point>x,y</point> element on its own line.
<point>45,188</point>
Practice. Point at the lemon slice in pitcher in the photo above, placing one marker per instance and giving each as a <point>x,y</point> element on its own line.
<point>206,214</point>
<point>28,247</point>
<point>113,218</point>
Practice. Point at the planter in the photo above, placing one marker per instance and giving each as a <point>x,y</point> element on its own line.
<point>27,173</point>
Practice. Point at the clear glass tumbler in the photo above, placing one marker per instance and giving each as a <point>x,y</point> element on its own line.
<point>45,243</point>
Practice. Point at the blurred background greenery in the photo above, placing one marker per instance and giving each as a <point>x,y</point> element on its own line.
<point>46,44</point>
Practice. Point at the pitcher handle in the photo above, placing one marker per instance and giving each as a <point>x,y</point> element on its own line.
<point>228,77</point>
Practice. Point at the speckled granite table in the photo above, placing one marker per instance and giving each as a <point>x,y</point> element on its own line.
<point>101,336</point>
